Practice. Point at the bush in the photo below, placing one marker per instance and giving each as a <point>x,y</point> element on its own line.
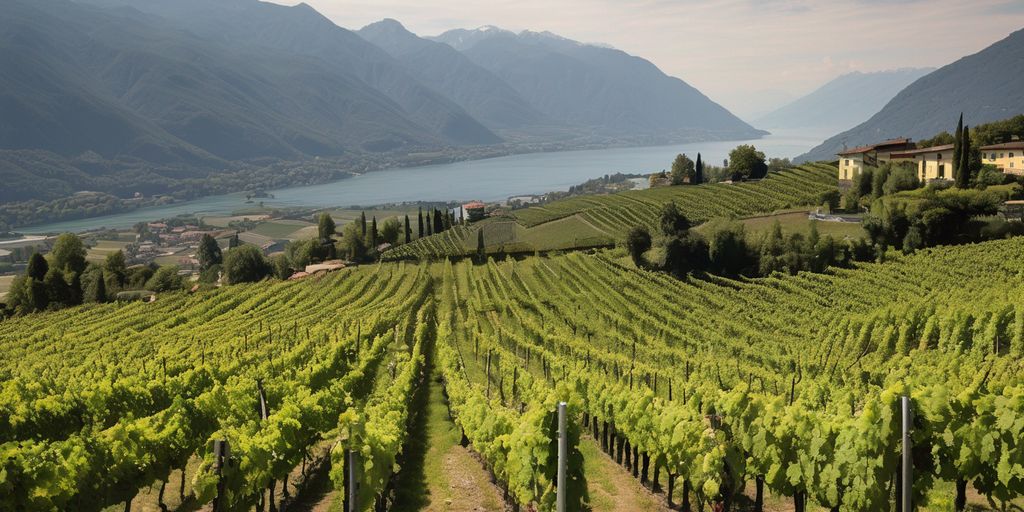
<point>246,264</point>
<point>728,252</point>
<point>638,242</point>
<point>990,176</point>
<point>899,179</point>
<point>165,279</point>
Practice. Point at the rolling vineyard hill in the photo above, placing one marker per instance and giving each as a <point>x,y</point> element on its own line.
<point>699,385</point>
<point>601,220</point>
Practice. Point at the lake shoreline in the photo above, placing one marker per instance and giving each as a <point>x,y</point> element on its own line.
<point>531,173</point>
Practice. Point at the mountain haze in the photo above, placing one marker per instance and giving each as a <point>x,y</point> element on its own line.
<point>985,86</point>
<point>603,89</point>
<point>843,102</point>
<point>440,67</point>
<point>186,98</point>
<point>302,32</point>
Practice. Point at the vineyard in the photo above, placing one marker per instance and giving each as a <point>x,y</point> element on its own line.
<point>713,392</point>
<point>601,220</point>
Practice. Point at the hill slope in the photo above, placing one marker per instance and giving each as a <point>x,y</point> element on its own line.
<point>984,86</point>
<point>598,220</point>
<point>306,35</point>
<point>606,90</point>
<point>845,101</point>
<point>439,66</point>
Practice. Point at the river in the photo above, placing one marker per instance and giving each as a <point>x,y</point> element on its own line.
<point>493,179</point>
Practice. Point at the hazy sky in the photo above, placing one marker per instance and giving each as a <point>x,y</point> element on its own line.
<point>749,55</point>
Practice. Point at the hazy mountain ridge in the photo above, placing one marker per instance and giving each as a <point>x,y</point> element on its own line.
<point>442,68</point>
<point>984,86</point>
<point>151,96</point>
<point>843,102</point>
<point>600,88</point>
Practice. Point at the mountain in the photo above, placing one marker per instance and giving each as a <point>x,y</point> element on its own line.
<point>845,101</point>
<point>984,86</point>
<point>480,92</point>
<point>119,82</point>
<point>601,89</point>
<point>307,36</point>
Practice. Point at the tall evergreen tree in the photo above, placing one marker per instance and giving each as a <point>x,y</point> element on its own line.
<point>964,178</point>
<point>325,227</point>
<point>37,267</point>
<point>362,222</point>
<point>698,171</point>
<point>209,253</point>
<point>429,226</point>
<point>115,268</point>
<point>481,250</point>
<point>57,289</point>
<point>957,148</point>
<point>438,223</point>
<point>373,233</point>
<point>420,224</point>
<point>99,289</point>
<point>408,230</point>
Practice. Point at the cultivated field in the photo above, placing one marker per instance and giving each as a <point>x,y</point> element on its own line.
<point>678,390</point>
<point>601,220</point>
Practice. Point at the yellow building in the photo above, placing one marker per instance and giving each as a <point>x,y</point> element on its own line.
<point>853,161</point>
<point>934,163</point>
<point>1008,157</point>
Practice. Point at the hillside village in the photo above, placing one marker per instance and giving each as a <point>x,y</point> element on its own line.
<point>932,163</point>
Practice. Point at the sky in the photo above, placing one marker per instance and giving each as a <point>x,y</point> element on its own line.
<point>749,55</point>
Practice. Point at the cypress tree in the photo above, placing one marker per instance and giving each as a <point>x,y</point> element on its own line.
<point>438,223</point>
<point>964,178</point>
<point>429,224</point>
<point>957,147</point>
<point>100,291</point>
<point>362,222</point>
<point>420,224</point>
<point>408,230</point>
<point>698,171</point>
<point>481,251</point>
<point>37,267</point>
<point>373,233</point>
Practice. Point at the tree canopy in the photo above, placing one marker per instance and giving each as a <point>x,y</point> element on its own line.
<point>246,264</point>
<point>209,252</point>
<point>746,162</point>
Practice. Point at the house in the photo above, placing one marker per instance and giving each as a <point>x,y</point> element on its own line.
<point>327,266</point>
<point>474,211</point>
<point>1008,157</point>
<point>266,244</point>
<point>853,161</point>
<point>934,163</point>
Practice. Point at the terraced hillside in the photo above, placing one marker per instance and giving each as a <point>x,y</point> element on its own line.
<point>600,220</point>
<point>704,390</point>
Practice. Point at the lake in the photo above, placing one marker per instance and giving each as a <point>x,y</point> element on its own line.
<point>493,179</point>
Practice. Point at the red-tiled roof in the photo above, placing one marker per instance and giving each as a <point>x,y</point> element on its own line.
<point>473,205</point>
<point>873,147</point>
<point>912,152</point>
<point>1017,144</point>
